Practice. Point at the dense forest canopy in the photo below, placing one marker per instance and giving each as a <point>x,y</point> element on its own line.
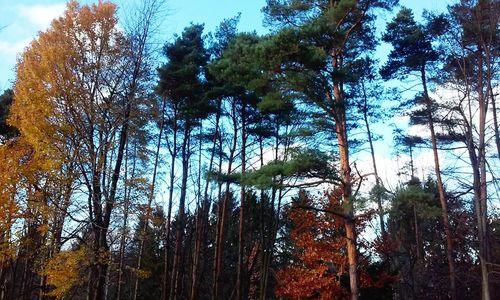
<point>244,165</point>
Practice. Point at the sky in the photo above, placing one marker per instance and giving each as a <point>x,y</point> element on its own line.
<point>23,19</point>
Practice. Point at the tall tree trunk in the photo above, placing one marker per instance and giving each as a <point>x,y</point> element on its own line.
<point>220,206</point>
<point>126,204</point>
<point>478,210</point>
<point>378,183</point>
<point>219,248</point>
<point>241,232</point>
<point>101,245</point>
<point>150,198</point>
<point>484,248</point>
<point>175,284</point>
<point>199,224</point>
<point>350,226</point>
<point>205,210</point>
<point>276,194</point>
<point>173,154</point>
<point>345,173</point>
<point>264,232</point>
<point>442,198</point>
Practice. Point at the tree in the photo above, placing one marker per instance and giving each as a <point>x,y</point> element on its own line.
<point>64,272</point>
<point>413,53</point>
<point>417,257</point>
<point>470,43</point>
<point>318,264</point>
<point>13,174</point>
<point>147,243</point>
<point>83,84</point>
<point>368,91</point>
<point>323,40</point>
<point>181,82</point>
<point>238,68</point>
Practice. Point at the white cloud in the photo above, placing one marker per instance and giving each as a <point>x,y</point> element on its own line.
<point>41,15</point>
<point>22,22</point>
<point>13,48</point>
<point>389,166</point>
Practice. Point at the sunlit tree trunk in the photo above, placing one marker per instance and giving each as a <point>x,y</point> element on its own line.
<point>345,173</point>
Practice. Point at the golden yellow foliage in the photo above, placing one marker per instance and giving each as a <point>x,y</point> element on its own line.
<point>64,271</point>
<point>63,78</point>
<point>16,171</point>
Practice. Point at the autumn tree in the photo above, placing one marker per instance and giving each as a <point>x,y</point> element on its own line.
<point>316,270</point>
<point>316,263</point>
<point>81,79</point>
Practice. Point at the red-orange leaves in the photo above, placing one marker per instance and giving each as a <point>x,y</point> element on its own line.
<point>318,259</point>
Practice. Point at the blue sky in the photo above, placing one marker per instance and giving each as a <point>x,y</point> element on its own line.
<point>24,18</point>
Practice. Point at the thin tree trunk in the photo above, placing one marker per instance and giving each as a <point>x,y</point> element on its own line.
<point>412,168</point>
<point>483,207</point>
<point>200,215</point>
<point>378,183</point>
<point>218,224</point>
<point>123,238</point>
<point>223,215</point>
<point>263,232</point>
<point>442,198</point>
<point>241,235</point>
<point>495,119</point>
<point>478,210</point>
<point>273,224</point>
<point>173,153</point>
<point>150,198</point>
<point>205,210</point>
<point>175,284</point>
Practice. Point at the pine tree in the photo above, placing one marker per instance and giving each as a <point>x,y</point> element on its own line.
<point>317,45</point>
<point>413,54</point>
<point>181,84</point>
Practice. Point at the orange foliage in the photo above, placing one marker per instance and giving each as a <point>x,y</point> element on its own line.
<point>319,257</point>
<point>319,251</point>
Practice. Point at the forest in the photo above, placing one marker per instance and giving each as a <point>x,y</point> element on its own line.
<point>245,165</point>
